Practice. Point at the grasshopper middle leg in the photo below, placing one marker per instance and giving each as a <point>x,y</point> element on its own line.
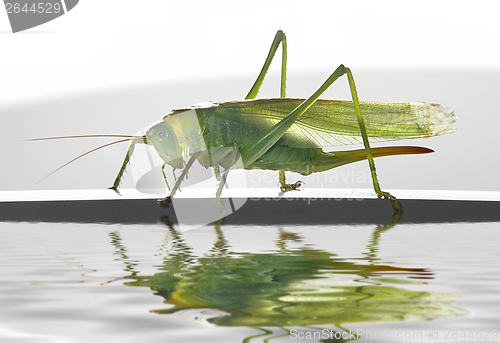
<point>166,201</point>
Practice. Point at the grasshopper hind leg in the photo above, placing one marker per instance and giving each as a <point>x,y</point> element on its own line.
<point>287,187</point>
<point>281,127</point>
<point>369,156</point>
<point>280,38</point>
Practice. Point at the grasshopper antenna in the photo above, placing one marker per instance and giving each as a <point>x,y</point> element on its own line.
<point>129,138</point>
<point>83,136</point>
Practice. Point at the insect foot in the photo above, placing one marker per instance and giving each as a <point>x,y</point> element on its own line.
<point>165,202</point>
<point>115,190</point>
<point>286,187</point>
<point>398,208</point>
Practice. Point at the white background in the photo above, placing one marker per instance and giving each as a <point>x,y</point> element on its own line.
<point>115,42</point>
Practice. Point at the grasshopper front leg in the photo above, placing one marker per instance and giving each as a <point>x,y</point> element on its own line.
<point>126,161</point>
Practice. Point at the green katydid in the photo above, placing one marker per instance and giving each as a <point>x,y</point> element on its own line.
<point>287,134</point>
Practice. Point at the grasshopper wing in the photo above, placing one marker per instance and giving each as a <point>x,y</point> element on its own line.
<point>329,123</point>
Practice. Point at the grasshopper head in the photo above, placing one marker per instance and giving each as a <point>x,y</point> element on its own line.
<point>162,137</point>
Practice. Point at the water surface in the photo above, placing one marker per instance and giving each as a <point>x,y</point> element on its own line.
<point>83,282</point>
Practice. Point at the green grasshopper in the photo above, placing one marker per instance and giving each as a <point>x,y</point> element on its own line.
<point>286,134</point>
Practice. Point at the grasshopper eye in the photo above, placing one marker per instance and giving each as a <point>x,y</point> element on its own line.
<point>162,135</point>
<point>163,139</point>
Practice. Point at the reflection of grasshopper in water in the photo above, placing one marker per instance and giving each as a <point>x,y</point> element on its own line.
<point>288,287</point>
